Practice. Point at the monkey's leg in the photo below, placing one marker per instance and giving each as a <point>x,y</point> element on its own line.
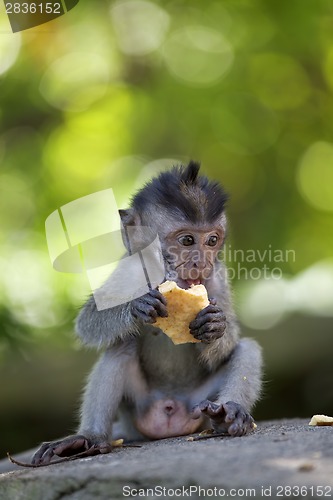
<point>234,388</point>
<point>115,374</point>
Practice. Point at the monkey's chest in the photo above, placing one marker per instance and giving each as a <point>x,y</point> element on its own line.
<point>165,365</point>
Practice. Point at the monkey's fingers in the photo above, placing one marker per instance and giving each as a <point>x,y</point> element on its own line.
<point>158,302</point>
<point>65,447</point>
<point>159,305</point>
<point>145,313</point>
<point>207,317</point>
<point>148,307</point>
<point>209,337</point>
<point>158,295</point>
<point>211,308</point>
<point>208,328</point>
<point>208,332</point>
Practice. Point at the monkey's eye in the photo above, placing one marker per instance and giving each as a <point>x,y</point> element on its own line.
<point>212,241</point>
<point>186,240</point>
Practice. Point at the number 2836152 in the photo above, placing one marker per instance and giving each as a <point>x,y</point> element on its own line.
<point>33,8</point>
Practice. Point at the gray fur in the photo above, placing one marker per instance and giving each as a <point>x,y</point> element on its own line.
<point>141,363</point>
<point>141,367</point>
<point>228,368</point>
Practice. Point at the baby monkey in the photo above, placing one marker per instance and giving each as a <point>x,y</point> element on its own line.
<point>157,388</point>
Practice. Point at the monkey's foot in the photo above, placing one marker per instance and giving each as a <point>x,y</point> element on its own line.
<point>210,323</point>
<point>230,417</point>
<point>67,447</point>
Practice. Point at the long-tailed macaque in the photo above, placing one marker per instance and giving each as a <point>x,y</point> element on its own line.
<point>157,388</point>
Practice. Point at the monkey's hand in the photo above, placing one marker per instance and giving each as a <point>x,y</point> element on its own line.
<point>230,417</point>
<point>149,306</point>
<point>69,446</point>
<point>210,323</point>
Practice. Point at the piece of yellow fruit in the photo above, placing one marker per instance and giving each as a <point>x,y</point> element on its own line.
<point>183,307</point>
<point>321,420</point>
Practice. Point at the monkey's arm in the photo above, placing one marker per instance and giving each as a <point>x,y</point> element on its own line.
<point>216,325</point>
<point>106,327</point>
<point>100,328</point>
<point>118,317</point>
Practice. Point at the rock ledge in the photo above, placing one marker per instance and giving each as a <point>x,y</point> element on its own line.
<point>279,454</point>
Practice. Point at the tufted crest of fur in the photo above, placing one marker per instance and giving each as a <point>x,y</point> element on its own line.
<point>182,191</point>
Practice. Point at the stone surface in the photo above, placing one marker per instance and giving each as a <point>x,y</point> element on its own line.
<point>278,456</point>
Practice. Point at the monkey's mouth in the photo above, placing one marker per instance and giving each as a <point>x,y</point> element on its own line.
<point>185,278</point>
<point>194,282</point>
<point>182,283</point>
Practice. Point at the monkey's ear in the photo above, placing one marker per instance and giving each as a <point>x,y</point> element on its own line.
<point>129,217</point>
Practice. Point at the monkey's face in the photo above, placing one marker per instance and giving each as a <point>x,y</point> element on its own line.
<point>190,253</point>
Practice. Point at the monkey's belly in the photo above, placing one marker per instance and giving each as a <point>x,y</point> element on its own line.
<point>167,418</point>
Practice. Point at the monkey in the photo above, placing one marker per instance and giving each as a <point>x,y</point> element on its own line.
<point>160,389</point>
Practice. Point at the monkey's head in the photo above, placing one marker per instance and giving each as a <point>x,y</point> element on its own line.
<point>187,212</point>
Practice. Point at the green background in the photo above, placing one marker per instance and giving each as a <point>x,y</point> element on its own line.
<point>113,92</point>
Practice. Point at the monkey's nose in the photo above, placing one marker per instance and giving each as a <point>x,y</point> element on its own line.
<point>170,408</point>
<point>199,264</point>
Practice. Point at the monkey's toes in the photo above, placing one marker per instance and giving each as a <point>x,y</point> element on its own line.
<point>238,420</point>
<point>229,417</point>
<point>70,446</point>
<point>62,448</point>
<point>212,410</point>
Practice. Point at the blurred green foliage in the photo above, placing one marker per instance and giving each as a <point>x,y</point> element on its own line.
<point>113,92</point>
